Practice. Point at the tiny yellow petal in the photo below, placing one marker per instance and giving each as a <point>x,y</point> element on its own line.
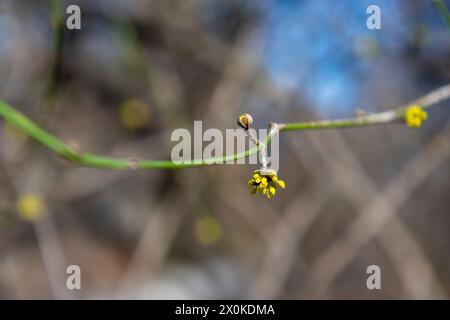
<point>281,184</point>
<point>272,190</point>
<point>424,115</point>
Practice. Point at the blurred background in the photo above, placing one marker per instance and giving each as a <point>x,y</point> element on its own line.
<point>139,69</point>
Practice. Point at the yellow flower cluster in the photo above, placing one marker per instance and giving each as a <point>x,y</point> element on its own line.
<point>414,116</point>
<point>266,182</point>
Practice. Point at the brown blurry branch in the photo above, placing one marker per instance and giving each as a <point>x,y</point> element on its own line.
<point>381,209</point>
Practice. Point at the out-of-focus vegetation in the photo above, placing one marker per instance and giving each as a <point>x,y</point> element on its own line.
<point>139,69</point>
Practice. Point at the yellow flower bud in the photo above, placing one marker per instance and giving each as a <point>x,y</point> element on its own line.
<point>245,120</point>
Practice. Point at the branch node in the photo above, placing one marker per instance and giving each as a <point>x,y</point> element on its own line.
<point>133,163</point>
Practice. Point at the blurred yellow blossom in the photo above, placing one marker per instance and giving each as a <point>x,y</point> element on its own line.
<point>414,116</point>
<point>134,114</point>
<point>208,230</point>
<point>30,206</point>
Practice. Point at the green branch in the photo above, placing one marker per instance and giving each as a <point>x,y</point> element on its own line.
<point>50,141</point>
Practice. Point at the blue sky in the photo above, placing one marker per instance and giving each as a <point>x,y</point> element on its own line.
<point>324,48</point>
